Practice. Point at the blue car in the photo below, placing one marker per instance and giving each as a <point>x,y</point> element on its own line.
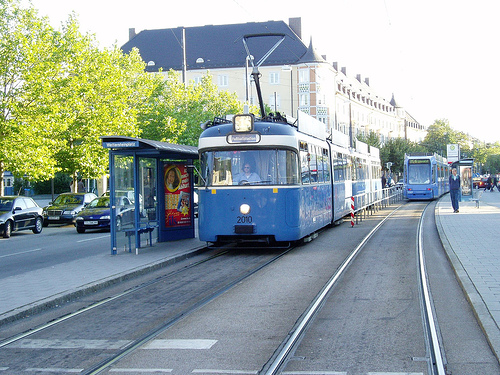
<point>97,214</point>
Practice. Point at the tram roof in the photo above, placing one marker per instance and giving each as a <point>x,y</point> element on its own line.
<point>135,144</point>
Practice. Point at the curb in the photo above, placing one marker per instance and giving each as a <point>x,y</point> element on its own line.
<point>479,308</point>
<point>89,288</point>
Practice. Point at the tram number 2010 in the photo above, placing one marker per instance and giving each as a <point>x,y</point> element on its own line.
<point>244,219</point>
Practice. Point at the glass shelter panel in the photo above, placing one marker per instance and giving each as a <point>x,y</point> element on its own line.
<point>148,199</point>
<point>249,167</point>
<point>123,188</point>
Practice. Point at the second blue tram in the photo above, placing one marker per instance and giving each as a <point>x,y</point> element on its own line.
<point>425,176</point>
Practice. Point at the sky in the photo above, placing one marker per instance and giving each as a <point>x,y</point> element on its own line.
<point>438,57</point>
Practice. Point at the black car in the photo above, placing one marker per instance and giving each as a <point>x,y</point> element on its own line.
<point>97,214</point>
<point>18,213</point>
<point>65,208</point>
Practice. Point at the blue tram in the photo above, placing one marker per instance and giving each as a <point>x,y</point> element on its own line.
<point>272,181</point>
<point>425,176</point>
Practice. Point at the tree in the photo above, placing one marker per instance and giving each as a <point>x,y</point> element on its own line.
<point>60,94</point>
<point>100,93</point>
<point>175,111</point>
<point>440,134</point>
<point>28,48</point>
<point>394,151</point>
<point>372,139</point>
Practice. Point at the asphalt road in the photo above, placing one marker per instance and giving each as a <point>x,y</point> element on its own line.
<point>25,251</point>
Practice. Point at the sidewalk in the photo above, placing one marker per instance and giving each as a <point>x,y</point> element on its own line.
<point>471,239</point>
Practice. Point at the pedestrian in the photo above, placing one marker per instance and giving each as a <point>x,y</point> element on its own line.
<point>384,180</point>
<point>494,183</point>
<point>454,189</point>
<point>488,183</point>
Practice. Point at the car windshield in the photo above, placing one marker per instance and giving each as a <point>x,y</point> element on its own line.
<point>6,204</point>
<point>102,202</point>
<point>69,199</point>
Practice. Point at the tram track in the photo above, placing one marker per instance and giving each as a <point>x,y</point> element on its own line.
<point>217,310</point>
<point>286,350</point>
<point>82,320</point>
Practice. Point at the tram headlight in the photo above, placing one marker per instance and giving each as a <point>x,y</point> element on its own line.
<point>245,209</point>
<point>243,123</point>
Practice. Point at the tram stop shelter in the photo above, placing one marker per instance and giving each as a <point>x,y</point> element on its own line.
<point>151,190</point>
<point>464,170</point>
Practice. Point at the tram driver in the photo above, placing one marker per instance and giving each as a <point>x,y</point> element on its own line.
<point>247,176</point>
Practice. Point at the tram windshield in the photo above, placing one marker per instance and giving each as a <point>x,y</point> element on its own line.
<point>419,171</point>
<point>249,167</point>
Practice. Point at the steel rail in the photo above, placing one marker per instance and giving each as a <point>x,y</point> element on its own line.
<point>136,344</point>
<point>437,364</point>
<point>279,358</point>
<point>54,322</point>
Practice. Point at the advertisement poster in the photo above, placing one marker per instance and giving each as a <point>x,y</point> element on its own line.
<point>466,179</point>
<point>177,195</point>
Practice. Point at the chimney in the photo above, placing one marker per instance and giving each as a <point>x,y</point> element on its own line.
<point>296,25</point>
<point>367,81</point>
<point>336,66</point>
<point>358,77</point>
<point>131,33</point>
<point>344,70</point>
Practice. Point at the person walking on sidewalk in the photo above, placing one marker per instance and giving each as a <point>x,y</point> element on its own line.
<point>454,189</point>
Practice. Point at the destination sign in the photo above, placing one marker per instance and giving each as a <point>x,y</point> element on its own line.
<point>243,138</point>
<point>419,161</point>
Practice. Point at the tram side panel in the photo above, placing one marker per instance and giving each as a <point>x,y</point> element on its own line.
<point>279,213</point>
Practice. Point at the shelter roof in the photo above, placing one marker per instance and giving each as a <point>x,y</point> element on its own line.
<point>116,142</point>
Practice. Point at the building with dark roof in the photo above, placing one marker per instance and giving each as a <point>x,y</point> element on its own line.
<point>294,77</point>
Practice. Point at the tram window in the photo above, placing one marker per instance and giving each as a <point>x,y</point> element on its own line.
<point>249,167</point>
<point>418,173</point>
<point>304,167</point>
<point>326,165</point>
<point>313,165</point>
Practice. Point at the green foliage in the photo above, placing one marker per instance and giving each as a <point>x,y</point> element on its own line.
<point>28,48</point>
<point>175,111</point>
<point>372,139</point>
<point>61,184</point>
<point>440,134</point>
<point>60,94</point>
<point>394,151</point>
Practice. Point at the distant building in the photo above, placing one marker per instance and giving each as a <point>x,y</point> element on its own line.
<point>294,76</point>
<point>8,183</point>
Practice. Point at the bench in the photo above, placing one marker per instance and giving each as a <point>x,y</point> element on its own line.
<point>145,229</point>
<point>476,196</point>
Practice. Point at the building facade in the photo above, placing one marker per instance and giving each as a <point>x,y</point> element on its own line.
<point>294,77</point>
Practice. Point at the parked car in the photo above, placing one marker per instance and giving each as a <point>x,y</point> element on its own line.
<point>65,208</point>
<point>479,183</point>
<point>97,214</point>
<point>18,213</point>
